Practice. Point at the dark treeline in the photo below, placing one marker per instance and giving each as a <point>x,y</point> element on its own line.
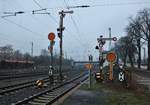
<point>138,34</point>
<point>8,53</point>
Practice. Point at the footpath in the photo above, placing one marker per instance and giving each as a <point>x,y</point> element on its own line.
<point>112,93</point>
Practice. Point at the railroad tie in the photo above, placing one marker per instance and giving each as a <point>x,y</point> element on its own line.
<point>41,100</point>
<point>35,103</point>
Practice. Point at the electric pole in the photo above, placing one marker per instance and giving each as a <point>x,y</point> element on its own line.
<point>60,35</point>
<point>32,49</point>
<point>109,37</point>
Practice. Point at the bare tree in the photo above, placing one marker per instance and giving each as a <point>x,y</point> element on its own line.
<point>6,52</point>
<point>134,31</point>
<point>18,55</point>
<point>139,28</point>
<point>144,16</point>
<point>126,48</point>
<point>44,52</point>
<point>27,56</point>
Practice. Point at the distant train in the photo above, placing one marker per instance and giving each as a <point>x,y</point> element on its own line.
<point>15,64</point>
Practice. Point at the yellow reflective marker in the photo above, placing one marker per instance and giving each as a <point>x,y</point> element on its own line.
<point>88,66</point>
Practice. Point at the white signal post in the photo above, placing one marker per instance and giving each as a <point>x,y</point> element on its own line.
<point>101,42</point>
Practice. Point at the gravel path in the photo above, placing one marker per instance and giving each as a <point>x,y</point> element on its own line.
<point>84,97</point>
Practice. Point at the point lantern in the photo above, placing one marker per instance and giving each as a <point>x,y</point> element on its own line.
<point>51,36</point>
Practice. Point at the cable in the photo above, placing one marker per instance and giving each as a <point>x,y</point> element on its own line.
<point>66,4</point>
<point>27,29</point>
<point>120,4</point>
<point>34,18</point>
<point>37,3</point>
<point>8,39</point>
<point>45,10</point>
<point>75,25</point>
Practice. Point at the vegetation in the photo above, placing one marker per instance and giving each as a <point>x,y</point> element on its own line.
<point>8,53</point>
<point>138,33</point>
<point>114,94</point>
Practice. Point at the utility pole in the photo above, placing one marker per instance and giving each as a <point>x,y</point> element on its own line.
<point>32,49</point>
<point>109,37</point>
<point>60,35</point>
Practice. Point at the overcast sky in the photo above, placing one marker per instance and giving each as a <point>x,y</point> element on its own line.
<point>83,27</point>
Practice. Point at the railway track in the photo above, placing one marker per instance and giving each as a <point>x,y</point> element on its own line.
<point>22,75</point>
<point>16,87</point>
<point>50,96</point>
<point>22,85</point>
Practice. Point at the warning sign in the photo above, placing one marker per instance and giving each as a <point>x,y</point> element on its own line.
<point>111,57</point>
<point>51,36</point>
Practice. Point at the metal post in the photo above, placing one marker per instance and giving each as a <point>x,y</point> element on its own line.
<point>60,34</point>
<point>101,43</point>
<point>111,71</point>
<point>90,79</point>
<point>109,37</point>
<point>61,42</point>
<point>32,49</point>
<point>51,51</point>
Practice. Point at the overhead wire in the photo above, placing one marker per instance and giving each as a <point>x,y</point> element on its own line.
<point>37,3</point>
<point>75,25</point>
<point>104,4</point>
<point>34,18</point>
<point>77,29</point>
<point>120,4</point>
<point>45,10</point>
<point>23,27</point>
<point>66,4</point>
<point>57,21</point>
<point>8,39</point>
<point>96,5</point>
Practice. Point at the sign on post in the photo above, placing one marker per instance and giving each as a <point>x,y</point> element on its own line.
<point>51,36</point>
<point>121,76</point>
<point>111,57</point>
